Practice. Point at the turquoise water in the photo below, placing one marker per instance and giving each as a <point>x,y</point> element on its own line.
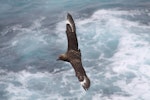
<point>113,37</point>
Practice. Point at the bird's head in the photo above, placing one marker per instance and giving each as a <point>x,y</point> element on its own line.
<point>62,57</point>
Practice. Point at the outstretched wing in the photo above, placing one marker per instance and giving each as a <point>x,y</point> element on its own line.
<point>71,33</point>
<point>80,73</point>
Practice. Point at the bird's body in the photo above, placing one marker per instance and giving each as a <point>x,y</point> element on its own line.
<point>73,54</point>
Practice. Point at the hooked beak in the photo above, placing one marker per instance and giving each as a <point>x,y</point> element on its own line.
<point>57,59</point>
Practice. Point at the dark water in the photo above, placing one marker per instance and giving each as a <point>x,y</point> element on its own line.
<point>113,38</point>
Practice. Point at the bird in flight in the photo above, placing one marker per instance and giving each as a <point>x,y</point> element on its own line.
<point>73,54</point>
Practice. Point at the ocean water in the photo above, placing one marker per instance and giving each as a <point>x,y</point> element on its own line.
<point>113,35</point>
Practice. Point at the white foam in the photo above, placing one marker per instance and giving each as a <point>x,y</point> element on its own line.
<point>130,57</point>
<point>41,85</point>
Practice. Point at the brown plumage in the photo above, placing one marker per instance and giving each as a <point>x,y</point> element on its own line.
<point>73,54</point>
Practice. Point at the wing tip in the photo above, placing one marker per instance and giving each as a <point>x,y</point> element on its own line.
<point>68,14</point>
<point>85,83</point>
<point>70,22</point>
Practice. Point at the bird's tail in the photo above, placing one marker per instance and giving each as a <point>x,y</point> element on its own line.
<point>71,23</point>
